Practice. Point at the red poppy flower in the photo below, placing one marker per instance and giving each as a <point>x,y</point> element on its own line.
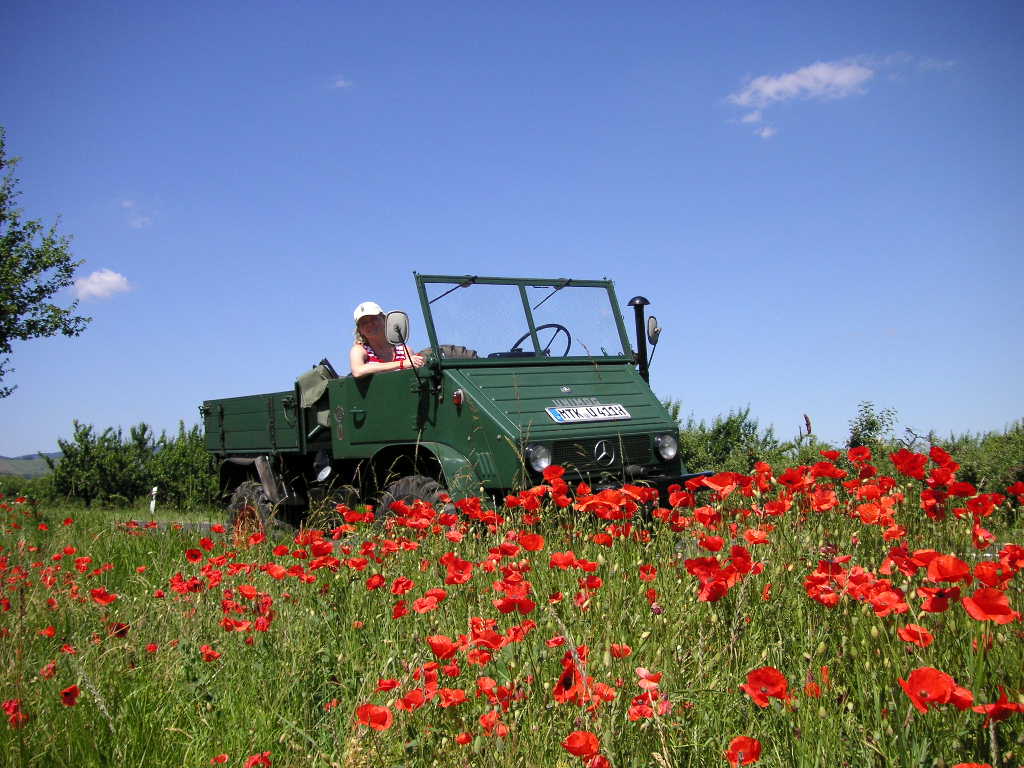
<point>412,701</point>
<point>928,687</point>
<point>443,646</point>
<point>401,585</point>
<point>378,718</point>
<point>998,710</point>
<point>743,750</point>
<point>711,543</point>
<point>989,604</point>
<point>553,472</point>
<point>949,568</point>
<point>262,758</point>
<point>582,744</point>
<point>621,651</point>
<point>208,653</point>
<point>464,738</point>
<point>936,600</point>
<point>424,604</point>
<point>532,542</point>
<point>648,680</point>
<point>765,683</point>
<point>69,695</point>
<point>100,596</point>
<point>451,697</point>
<point>562,560</point>
<point>15,717</point>
<point>916,634</point>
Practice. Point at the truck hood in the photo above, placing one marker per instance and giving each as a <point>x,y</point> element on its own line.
<point>517,399</point>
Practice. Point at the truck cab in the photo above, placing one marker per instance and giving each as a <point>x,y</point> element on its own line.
<point>521,373</point>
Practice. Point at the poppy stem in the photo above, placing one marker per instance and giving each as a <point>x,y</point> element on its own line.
<point>993,745</point>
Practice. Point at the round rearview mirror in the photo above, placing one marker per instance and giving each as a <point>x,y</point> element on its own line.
<point>323,474</point>
<point>397,327</point>
<point>653,330</point>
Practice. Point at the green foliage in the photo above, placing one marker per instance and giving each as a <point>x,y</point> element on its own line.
<point>870,427</point>
<point>183,470</point>
<point>992,460</point>
<point>35,488</point>
<point>731,443</point>
<point>113,470</point>
<point>35,263</point>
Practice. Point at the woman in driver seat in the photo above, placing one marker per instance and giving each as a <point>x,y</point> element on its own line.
<point>372,352</point>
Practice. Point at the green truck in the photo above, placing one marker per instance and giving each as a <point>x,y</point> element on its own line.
<point>521,373</point>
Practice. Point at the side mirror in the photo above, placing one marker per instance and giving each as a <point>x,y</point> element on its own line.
<point>397,327</point>
<point>653,330</point>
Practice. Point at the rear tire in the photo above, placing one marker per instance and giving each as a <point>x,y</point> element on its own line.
<point>250,511</point>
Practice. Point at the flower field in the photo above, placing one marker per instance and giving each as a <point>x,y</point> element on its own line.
<point>859,611</point>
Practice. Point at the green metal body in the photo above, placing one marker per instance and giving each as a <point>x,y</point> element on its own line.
<point>384,425</point>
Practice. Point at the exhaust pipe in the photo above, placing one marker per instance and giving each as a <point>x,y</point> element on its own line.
<point>638,303</point>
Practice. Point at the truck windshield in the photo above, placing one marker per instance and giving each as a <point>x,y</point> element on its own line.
<point>490,319</point>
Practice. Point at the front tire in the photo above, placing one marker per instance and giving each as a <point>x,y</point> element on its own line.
<point>410,488</point>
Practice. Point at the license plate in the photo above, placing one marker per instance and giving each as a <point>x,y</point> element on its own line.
<point>609,412</point>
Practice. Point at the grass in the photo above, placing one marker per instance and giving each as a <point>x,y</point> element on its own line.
<point>293,684</point>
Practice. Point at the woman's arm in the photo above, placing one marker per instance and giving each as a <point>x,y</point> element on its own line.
<point>360,367</point>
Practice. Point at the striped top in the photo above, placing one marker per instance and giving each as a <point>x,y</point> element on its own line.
<point>372,357</point>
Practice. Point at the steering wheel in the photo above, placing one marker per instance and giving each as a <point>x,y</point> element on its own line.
<point>558,328</point>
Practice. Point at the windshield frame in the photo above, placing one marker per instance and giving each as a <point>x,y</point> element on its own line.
<point>460,281</point>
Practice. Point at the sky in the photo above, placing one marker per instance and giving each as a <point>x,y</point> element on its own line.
<point>823,202</point>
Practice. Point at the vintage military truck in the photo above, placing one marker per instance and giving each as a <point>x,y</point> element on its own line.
<point>520,374</point>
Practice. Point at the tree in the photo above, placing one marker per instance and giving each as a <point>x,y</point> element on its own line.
<point>870,427</point>
<point>35,263</point>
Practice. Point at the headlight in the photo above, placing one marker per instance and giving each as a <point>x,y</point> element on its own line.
<point>538,456</point>
<point>667,446</point>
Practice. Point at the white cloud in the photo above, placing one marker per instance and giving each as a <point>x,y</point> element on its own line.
<point>766,132</point>
<point>821,80</point>
<point>101,284</point>
<point>139,221</point>
<point>127,203</point>
<point>752,117</point>
<point>341,82</point>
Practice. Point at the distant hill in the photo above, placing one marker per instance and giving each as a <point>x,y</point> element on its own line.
<point>29,465</point>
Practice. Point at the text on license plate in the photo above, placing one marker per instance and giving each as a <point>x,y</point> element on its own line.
<point>609,412</point>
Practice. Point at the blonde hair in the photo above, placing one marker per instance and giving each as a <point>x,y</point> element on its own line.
<point>359,338</point>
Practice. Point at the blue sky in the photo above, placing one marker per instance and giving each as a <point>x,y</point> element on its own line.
<point>823,202</point>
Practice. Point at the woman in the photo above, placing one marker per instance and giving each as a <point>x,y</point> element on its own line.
<point>372,352</point>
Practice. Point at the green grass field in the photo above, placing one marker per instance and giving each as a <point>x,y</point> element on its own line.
<point>562,628</point>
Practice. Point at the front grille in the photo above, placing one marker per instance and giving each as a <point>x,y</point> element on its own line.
<point>579,454</point>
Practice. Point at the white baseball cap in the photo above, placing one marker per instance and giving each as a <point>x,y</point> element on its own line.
<point>367,308</point>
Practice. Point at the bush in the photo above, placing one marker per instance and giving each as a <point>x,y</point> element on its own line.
<point>183,470</point>
<point>35,488</point>
<point>109,469</point>
<point>731,443</point>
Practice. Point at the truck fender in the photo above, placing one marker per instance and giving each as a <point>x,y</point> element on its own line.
<point>263,470</point>
<point>458,474</point>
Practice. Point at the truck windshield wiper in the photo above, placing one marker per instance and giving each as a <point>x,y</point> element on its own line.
<point>465,284</point>
<point>556,290</point>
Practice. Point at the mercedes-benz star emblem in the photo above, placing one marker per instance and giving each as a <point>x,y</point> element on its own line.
<point>604,454</point>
